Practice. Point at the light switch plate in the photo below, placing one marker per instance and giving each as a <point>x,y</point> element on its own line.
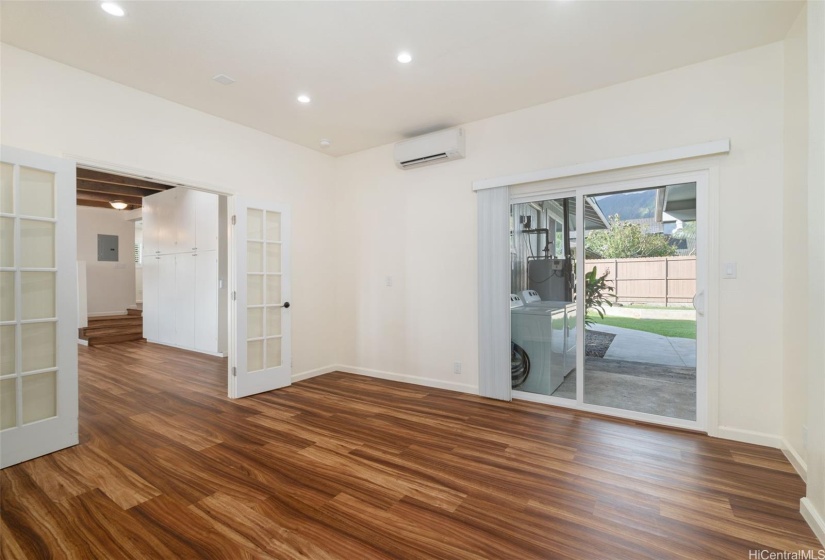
<point>729,270</point>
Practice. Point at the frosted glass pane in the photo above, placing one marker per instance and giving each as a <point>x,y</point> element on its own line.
<point>36,244</point>
<point>8,350</point>
<point>8,403</point>
<point>273,226</point>
<point>6,188</point>
<point>273,257</point>
<point>273,289</point>
<point>6,296</point>
<point>38,295</point>
<point>7,242</point>
<point>254,224</point>
<point>273,352</point>
<point>36,193</point>
<point>39,396</point>
<point>255,323</point>
<point>254,256</point>
<point>273,321</point>
<point>254,289</point>
<point>39,346</point>
<point>255,355</point>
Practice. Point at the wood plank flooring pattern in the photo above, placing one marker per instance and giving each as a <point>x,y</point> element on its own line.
<point>342,466</point>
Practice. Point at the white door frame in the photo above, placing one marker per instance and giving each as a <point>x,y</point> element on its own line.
<point>108,167</point>
<point>706,381</point>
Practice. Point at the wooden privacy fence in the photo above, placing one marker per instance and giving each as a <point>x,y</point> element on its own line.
<point>652,280</point>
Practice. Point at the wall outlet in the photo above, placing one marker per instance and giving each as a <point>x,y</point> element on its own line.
<point>388,281</point>
<point>457,368</point>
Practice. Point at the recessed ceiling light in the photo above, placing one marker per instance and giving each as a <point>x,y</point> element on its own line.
<point>304,99</point>
<point>404,57</point>
<point>223,79</point>
<point>113,9</point>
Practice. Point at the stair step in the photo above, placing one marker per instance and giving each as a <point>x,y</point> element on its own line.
<point>124,321</point>
<point>134,312</point>
<point>101,340</point>
<point>90,332</point>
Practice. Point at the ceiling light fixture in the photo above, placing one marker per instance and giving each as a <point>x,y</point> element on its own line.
<point>119,205</point>
<point>304,99</point>
<point>112,9</point>
<point>404,57</point>
<point>325,143</point>
<point>223,79</point>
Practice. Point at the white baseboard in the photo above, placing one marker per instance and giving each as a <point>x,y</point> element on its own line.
<point>415,380</point>
<point>748,436</point>
<point>82,342</point>
<point>106,314</point>
<point>795,459</point>
<point>313,373</point>
<point>814,518</point>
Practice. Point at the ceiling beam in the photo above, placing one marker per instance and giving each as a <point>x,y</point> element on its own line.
<point>92,186</point>
<point>112,179</point>
<point>100,197</point>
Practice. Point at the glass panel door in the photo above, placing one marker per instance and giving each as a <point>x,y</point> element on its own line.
<point>640,277</point>
<point>262,327</point>
<point>542,301</point>
<point>38,324</point>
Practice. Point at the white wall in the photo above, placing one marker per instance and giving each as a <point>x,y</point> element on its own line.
<point>795,243</point>
<point>138,268</point>
<point>110,285</point>
<point>814,505</point>
<point>419,226</point>
<point>55,109</point>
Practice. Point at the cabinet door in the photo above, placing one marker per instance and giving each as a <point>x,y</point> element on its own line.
<point>166,216</point>
<point>206,205</point>
<point>186,219</point>
<point>166,299</point>
<point>151,266</point>
<point>150,226</point>
<point>206,301</point>
<point>185,299</point>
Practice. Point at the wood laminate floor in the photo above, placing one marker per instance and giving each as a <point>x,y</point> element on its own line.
<point>342,466</point>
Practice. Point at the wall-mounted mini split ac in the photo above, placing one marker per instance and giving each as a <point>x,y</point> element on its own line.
<point>438,147</point>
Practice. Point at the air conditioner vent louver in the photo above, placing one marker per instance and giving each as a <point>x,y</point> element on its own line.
<point>437,147</point>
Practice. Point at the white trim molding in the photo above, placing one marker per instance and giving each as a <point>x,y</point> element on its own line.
<point>309,374</point>
<point>813,518</point>
<point>748,436</point>
<point>795,460</point>
<point>412,379</point>
<point>672,154</point>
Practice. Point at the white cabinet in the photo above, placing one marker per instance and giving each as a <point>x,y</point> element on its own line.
<point>151,266</point>
<point>206,301</point>
<point>180,274</point>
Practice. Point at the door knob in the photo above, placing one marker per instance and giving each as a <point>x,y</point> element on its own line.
<point>286,305</point>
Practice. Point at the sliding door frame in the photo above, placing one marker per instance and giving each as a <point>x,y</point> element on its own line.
<point>586,186</point>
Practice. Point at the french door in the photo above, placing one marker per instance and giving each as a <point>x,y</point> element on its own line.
<point>624,335</point>
<point>38,306</point>
<point>262,357</point>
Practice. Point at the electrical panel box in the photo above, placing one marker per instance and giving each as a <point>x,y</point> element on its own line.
<point>107,248</point>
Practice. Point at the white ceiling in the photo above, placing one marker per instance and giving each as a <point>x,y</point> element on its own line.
<point>471,59</point>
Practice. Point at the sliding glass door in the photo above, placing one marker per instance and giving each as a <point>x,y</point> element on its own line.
<point>607,298</point>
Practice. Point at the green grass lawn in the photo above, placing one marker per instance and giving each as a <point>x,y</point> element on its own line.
<point>664,327</point>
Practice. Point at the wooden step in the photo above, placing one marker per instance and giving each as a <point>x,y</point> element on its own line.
<point>105,331</point>
<point>134,312</point>
<point>122,322</point>
<point>101,340</point>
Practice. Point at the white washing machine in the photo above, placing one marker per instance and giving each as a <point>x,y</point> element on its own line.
<point>563,335</point>
<point>539,331</point>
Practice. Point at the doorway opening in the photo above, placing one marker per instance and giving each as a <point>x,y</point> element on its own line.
<point>606,299</point>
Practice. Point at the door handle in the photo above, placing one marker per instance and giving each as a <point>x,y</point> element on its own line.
<point>700,309</point>
<point>286,305</point>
